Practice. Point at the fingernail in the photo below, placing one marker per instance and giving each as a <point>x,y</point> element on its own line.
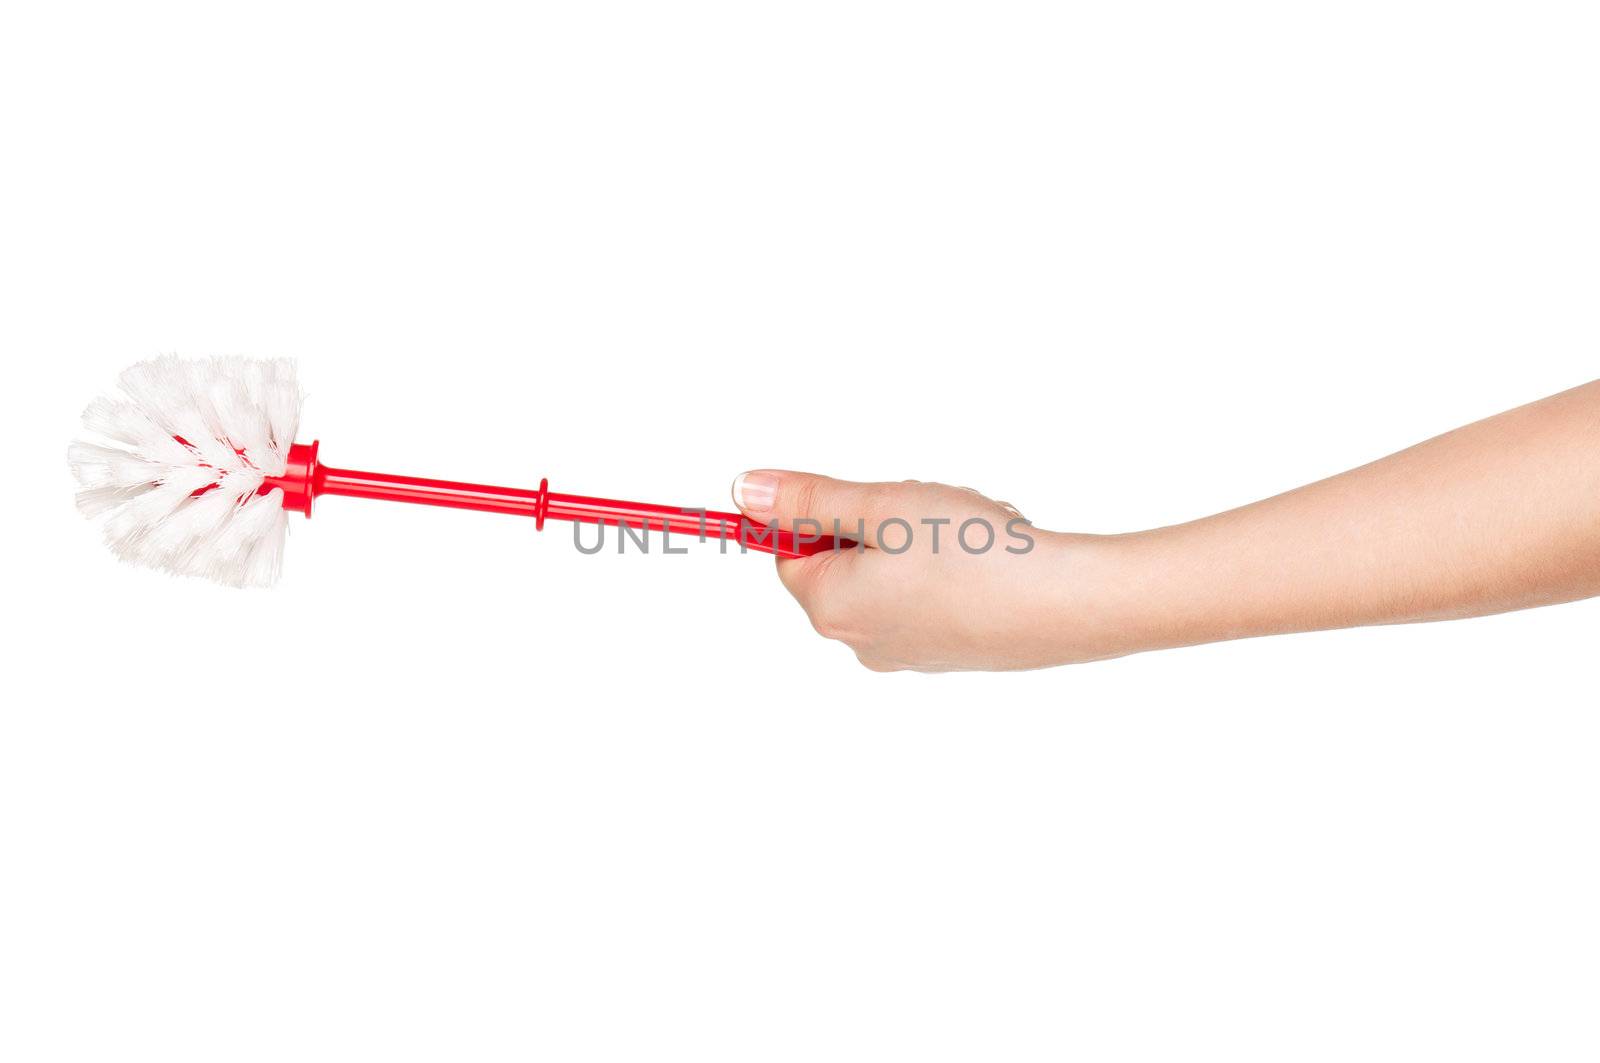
<point>755,492</point>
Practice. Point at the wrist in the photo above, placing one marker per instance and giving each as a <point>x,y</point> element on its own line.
<point>1102,597</point>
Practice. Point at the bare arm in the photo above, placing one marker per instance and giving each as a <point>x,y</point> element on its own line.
<point>1502,514</point>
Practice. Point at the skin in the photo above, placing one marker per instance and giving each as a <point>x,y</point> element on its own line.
<point>1502,514</point>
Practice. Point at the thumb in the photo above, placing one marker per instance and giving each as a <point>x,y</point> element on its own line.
<point>774,495</point>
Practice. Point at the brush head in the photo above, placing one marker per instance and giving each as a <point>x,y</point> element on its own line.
<point>177,470</point>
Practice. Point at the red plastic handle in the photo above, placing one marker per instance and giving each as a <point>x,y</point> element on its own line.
<point>307,478</point>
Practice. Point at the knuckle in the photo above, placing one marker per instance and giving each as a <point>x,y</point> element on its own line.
<point>794,578</point>
<point>826,627</point>
<point>828,620</point>
<point>803,503</point>
<point>878,501</point>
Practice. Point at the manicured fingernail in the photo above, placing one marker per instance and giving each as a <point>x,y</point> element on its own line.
<point>755,492</point>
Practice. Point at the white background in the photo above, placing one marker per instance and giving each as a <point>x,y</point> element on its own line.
<point>454,791</point>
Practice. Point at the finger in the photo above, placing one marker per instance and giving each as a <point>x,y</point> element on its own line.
<point>818,584</point>
<point>768,495</point>
<point>1011,510</point>
<point>809,578</point>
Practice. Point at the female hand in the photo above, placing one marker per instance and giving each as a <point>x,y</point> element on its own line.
<point>944,579</point>
<point>1502,514</point>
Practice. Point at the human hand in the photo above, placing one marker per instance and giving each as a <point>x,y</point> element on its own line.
<point>945,578</point>
<point>1501,514</point>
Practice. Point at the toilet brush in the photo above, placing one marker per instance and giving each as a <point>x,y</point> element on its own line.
<point>198,471</point>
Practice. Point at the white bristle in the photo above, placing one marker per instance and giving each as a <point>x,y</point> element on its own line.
<point>182,457</point>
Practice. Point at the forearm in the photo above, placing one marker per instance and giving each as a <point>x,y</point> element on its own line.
<point>1502,514</point>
